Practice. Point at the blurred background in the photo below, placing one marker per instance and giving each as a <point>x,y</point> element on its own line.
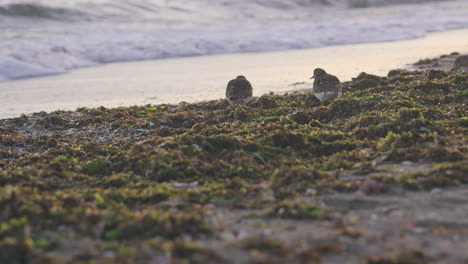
<point>44,37</point>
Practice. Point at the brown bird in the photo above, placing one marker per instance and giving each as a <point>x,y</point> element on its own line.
<point>239,91</point>
<point>461,64</point>
<point>326,86</point>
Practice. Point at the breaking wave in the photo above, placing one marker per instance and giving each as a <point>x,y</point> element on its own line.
<point>37,11</point>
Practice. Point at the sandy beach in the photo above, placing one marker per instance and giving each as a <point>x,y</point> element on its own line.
<point>196,79</point>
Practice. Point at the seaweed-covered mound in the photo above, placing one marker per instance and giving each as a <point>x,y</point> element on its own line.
<point>171,183</point>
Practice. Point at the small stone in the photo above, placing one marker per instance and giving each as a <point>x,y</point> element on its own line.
<point>196,146</point>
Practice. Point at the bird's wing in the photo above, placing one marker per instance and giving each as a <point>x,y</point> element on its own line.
<point>333,83</point>
<point>334,79</point>
<point>460,62</point>
<point>250,89</point>
<point>230,88</point>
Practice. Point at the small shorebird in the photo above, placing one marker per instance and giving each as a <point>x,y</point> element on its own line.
<point>239,91</point>
<point>461,64</point>
<point>326,86</point>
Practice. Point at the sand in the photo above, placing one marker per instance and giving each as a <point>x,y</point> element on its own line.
<point>204,78</point>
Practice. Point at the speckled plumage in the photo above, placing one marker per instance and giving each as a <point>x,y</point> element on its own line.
<point>461,64</point>
<point>239,91</point>
<point>326,87</point>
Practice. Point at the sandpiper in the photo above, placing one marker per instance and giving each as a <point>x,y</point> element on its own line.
<point>239,91</point>
<point>326,86</point>
<point>461,64</point>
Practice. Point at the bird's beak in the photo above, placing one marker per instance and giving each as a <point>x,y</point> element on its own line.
<point>312,77</point>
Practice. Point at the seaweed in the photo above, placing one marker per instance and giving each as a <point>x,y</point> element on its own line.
<point>151,180</point>
<point>295,210</point>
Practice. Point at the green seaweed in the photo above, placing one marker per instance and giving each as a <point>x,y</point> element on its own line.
<point>295,210</point>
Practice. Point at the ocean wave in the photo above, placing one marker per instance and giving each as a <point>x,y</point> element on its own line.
<point>167,11</point>
<point>158,29</point>
<point>37,11</point>
<point>379,3</point>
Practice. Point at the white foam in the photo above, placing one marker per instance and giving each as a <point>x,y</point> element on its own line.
<point>155,29</point>
<point>13,69</point>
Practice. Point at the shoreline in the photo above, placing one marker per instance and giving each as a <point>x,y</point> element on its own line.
<point>204,78</point>
<point>60,47</point>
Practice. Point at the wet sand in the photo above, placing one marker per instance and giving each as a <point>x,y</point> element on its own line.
<point>204,78</point>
